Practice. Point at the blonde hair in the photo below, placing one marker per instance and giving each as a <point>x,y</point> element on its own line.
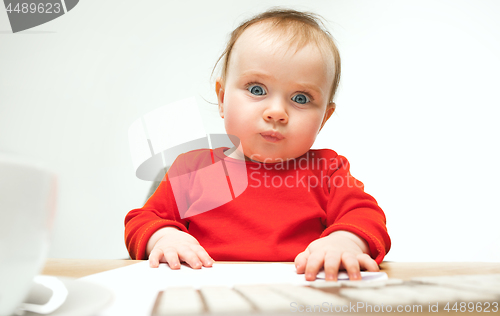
<point>303,28</point>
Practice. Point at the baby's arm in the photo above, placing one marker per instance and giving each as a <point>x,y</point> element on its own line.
<point>158,231</point>
<point>339,250</point>
<point>355,237</point>
<point>171,245</point>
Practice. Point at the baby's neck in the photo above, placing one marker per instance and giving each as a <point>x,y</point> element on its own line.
<point>236,153</point>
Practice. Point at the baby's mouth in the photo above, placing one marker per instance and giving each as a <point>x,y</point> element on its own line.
<point>271,139</point>
<point>272,136</point>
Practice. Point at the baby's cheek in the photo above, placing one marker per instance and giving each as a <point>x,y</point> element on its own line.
<point>233,125</point>
<point>236,116</point>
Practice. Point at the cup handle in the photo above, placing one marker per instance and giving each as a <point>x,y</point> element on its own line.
<point>59,294</point>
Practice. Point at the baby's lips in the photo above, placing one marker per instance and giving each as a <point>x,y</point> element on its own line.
<point>273,133</point>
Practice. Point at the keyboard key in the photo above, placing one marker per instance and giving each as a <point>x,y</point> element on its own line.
<point>264,298</point>
<point>374,296</point>
<point>220,299</point>
<point>306,295</point>
<point>179,301</point>
<point>482,283</point>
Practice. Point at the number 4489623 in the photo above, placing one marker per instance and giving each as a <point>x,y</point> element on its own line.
<point>485,307</point>
<point>34,8</point>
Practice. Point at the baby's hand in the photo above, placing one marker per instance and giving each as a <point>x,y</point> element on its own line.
<point>339,250</point>
<point>171,245</point>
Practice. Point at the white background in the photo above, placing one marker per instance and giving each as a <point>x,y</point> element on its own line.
<point>416,115</point>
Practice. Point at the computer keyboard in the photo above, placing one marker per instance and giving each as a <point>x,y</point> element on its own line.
<point>471,293</point>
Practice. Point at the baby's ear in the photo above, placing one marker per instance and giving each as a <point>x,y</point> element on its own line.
<point>219,89</point>
<point>330,108</point>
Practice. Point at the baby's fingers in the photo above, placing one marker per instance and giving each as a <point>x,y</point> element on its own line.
<point>156,256</point>
<point>367,263</point>
<point>172,259</point>
<point>314,264</point>
<point>169,256</point>
<point>332,266</point>
<point>351,265</point>
<point>205,258</point>
<point>189,255</point>
<point>301,261</point>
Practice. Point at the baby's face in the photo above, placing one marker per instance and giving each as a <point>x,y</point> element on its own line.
<point>274,100</point>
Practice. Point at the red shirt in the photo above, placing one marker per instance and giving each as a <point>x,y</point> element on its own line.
<point>250,211</point>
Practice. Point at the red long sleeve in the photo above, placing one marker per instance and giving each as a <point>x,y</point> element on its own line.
<point>351,209</point>
<point>141,223</point>
<point>267,212</point>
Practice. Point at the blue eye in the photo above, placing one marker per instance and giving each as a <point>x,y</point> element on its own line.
<point>301,99</point>
<point>257,90</point>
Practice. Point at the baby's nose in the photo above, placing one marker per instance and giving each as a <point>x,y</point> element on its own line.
<point>276,112</point>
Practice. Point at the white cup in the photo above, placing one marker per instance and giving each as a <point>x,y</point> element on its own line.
<point>27,209</point>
